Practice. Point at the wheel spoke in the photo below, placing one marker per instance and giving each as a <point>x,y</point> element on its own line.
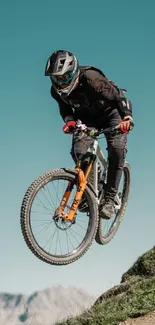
<point>43,191</point>
<point>73,236</point>
<point>42,204</point>
<point>45,228</point>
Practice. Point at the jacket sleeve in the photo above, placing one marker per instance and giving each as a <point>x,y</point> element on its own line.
<point>64,109</point>
<point>105,90</point>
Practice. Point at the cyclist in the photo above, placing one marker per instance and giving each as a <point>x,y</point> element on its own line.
<point>85,93</point>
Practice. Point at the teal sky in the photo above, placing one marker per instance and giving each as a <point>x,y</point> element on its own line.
<point>117,37</point>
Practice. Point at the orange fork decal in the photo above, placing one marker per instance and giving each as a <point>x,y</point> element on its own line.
<point>65,198</point>
<point>78,195</point>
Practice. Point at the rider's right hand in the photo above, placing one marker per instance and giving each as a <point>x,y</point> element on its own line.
<point>127,124</point>
<point>69,127</point>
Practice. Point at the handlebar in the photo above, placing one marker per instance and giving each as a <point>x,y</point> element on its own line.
<point>94,132</point>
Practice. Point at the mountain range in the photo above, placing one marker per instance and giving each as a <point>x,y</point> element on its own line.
<point>43,307</point>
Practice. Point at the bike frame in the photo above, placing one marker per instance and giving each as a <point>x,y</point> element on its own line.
<point>97,152</point>
<point>82,177</point>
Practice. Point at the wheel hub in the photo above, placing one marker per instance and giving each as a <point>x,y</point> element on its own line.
<point>60,222</point>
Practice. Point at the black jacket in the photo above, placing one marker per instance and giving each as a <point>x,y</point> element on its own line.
<point>93,99</point>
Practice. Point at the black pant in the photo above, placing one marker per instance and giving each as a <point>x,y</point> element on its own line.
<point>117,149</point>
<point>116,146</point>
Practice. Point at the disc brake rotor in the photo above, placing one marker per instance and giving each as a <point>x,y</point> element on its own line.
<point>60,222</point>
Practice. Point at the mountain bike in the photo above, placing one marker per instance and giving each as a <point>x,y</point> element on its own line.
<point>60,210</point>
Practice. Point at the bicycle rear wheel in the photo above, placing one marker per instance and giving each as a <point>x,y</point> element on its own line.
<point>56,241</point>
<point>108,228</point>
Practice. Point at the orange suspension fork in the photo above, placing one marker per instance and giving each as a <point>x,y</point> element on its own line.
<point>82,182</point>
<point>65,198</point>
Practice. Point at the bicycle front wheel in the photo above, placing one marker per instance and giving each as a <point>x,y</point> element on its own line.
<point>56,241</point>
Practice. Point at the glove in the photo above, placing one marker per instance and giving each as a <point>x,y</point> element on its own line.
<point>127,124</point>
<point>69,127</point>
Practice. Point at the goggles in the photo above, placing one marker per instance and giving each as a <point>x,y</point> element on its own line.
<point>63,79</point>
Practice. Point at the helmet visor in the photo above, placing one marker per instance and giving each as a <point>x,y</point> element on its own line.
<point>63,79</point>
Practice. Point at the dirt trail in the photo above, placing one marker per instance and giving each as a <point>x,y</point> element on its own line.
<point>148,319</point>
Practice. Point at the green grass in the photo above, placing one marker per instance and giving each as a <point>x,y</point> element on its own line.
<point>134,297</point>
<point>144,266</point>
<point>137,301</point>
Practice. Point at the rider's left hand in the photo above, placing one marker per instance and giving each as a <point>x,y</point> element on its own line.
<point>127,124</point>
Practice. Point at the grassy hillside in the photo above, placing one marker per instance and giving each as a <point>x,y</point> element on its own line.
<point>135,296</point>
